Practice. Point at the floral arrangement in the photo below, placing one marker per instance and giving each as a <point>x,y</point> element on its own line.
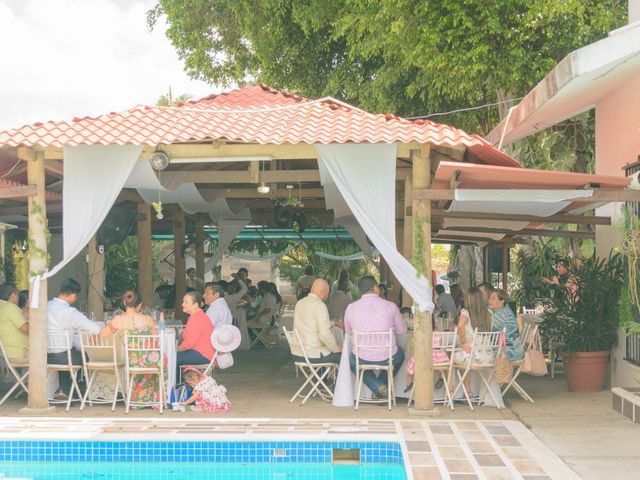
<point>288,202</point>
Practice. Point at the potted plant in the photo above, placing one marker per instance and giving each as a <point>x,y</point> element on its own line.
<point>584,324</point>
<point>288,213</point>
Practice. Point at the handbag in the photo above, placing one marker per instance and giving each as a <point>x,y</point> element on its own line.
<point>224,360</point>
<point>534,362</point>
<point>503,372</point>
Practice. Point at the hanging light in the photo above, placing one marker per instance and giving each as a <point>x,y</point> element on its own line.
<point>263,187</point>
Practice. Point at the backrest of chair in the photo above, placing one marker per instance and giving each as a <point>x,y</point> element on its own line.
<point>528,336</point>
<point>96,348</point>
<point>144,351</point>
<point>364,342</point>
<point>60,341</point>
<point>486,345</point>
<point>444,340</point>
<point>295,343</point>
<point>4,358</point>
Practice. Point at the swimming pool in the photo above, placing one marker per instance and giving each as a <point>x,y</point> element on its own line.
<point>146,460</point>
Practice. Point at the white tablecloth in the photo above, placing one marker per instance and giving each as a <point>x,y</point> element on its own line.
<point>346,388</point>
<point>241,319</point>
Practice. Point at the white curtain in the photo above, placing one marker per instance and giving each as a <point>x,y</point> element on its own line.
<point>228,229</point>
<point>93,177</point>
<point>365,177</point>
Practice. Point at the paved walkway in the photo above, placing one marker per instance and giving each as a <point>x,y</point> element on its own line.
<point>581,429</point>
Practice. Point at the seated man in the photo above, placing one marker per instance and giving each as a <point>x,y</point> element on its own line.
<point>445,302</point>
<point>374,314</point>
<point>218,311</point>
<point>311,320</point>
<point>61,318</point>
<point>14,329</point>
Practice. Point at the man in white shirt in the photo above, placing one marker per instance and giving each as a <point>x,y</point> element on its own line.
<point>218,311</point>
<point>63,318</point>
<point>311,320</point>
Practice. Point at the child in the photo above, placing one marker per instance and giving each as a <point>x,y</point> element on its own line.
<point>208,396</point>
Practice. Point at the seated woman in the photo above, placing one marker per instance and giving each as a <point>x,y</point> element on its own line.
<point>196,348</point>
<point>146,388</point>
<point>267,308</point>
<point>503,317</point>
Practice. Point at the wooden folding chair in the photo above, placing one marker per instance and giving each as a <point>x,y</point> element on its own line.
<point>528,340</point>
<point>63,341</point>
<point>99,354</point>
<point>445,341</point>
<point>485,348</point>
<point>261,335</point>
<point>144,356</point>
<point>20,379</point>
<point>315,373</point>
<point>374,341</point>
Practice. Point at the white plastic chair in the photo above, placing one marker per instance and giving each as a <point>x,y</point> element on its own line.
<point>374,341</point>
<point>59,341</point>
<point>20,379</point>
<point>100,354</point>
<point>445,341</point>
<point>146,347</point>
<point>527,339</point>
<point>315,373</point>
<point>485,348</point>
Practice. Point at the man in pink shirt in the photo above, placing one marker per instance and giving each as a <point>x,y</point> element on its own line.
<point>374,314</point>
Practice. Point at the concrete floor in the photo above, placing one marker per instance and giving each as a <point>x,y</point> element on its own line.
<point>581,429</point>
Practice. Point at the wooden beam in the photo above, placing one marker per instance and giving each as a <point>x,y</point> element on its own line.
<point>19,191</point>
<point>526,231</point>
<point>422,335</point>
<point>243,176</point>
<point>95,272</point>
<point>559,218</point>
<point>200,236</point>
<point>145,259</point>
<point>38,260</point>
<point>254,172</point>
<point>407,247</point>
<point>26,154</point>
<point>277,152</point>
<point>179,261</point>
<point>253,193</point>
<point>55,167</point>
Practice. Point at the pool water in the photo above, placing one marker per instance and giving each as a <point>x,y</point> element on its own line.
<point>199,471</point>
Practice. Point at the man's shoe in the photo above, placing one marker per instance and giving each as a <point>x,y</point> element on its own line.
<point>60,395</point>
<point>381,394</point>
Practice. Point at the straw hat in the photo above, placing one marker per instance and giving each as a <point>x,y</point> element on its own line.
<point>225,338</point>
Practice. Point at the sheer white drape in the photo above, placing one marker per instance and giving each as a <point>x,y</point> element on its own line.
<point>228,229</point>
<point>365,175</point>
<point>93,177</point>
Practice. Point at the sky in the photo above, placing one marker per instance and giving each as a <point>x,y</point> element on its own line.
<point>61,59</point>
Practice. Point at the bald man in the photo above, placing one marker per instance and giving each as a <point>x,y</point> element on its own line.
<point>311,320</point>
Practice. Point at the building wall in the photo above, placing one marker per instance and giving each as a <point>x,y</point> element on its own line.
<point>617,143</point>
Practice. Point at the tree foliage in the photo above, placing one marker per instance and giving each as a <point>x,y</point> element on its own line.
<point>409,57</point>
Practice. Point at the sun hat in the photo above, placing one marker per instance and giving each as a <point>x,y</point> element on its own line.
<point>225,338</point>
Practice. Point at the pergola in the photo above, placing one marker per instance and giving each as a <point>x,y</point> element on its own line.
<point>228,144</point>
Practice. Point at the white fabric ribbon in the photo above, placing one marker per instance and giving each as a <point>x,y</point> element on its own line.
<point>93,177</point>
<point>370,195</point>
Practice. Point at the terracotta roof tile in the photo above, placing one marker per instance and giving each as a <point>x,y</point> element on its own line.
<point>253,114</point>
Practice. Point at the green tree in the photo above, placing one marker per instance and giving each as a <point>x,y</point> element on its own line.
<point>405,56</point>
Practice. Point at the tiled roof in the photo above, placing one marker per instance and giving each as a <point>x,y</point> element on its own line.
<point>253,114</point>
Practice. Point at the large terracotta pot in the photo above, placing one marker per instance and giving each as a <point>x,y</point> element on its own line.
<point>586,371</point>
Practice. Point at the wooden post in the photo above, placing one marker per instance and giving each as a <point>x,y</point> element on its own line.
<point>96,281</point>
<point>422,334</point>
<point>200,253</point>
<point>178,243</point>
<point>505,266</point>
<point>38,260</point>
<point>407,237</point>
<point>145,259</point>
